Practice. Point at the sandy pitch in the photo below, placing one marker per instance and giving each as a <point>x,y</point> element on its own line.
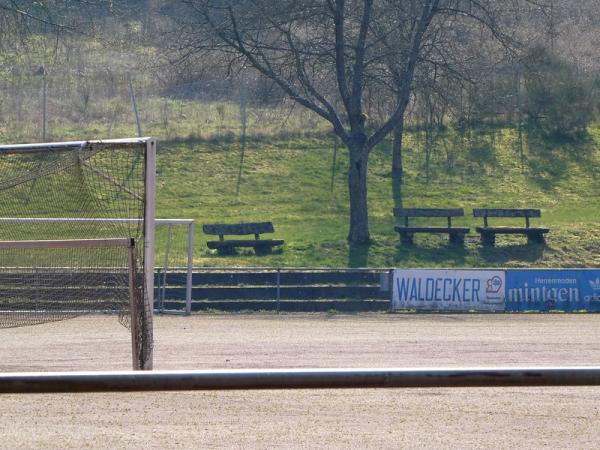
<point>391,418</point>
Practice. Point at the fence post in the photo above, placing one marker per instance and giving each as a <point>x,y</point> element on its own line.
<point>45,105</point>
<point>134,105</point>
<point>158,304</point>
<point>278,289</point>
<point>190,267</point>
<point>391,286</point>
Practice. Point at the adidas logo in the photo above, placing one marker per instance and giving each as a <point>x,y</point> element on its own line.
<point>595,284</point>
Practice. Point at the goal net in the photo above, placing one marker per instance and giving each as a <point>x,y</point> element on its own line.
<point>173,256</point>
<point>55,271</point>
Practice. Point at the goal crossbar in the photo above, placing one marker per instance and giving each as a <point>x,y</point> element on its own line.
<point>67,243</point>
<point>66,146</point>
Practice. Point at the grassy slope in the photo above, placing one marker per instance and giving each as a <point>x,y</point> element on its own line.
<point>287,180</point>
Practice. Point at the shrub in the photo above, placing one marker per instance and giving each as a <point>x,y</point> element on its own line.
<point>558,100</point>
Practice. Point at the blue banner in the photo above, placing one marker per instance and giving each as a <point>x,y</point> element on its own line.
<point>548,290</point>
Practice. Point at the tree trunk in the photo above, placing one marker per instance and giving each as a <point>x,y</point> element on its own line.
<point>397,189</point>
<point>357,188</point>
<point>397,169</point>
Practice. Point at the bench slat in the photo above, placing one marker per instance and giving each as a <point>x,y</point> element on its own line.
<point>512,230</point>
<point>431,230</point>
<point>238,228</point>
<point>506,212</point>
<point>429,212</point>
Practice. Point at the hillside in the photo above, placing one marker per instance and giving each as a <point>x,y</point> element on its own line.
<point>287,179</point>
<point>472,156</point>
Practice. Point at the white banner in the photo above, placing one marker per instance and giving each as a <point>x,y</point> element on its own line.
<point>448,290</point>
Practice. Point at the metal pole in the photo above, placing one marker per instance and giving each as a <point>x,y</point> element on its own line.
<point>129,381</point>
<point>278,289</point>
<point>190,268</point>
<point>157,289</point>
<point>44,105</point>
<point>134,104</point>
<point>149,217</point>
<point>243,120</point>
<point>244,124</point>
<point>390,275</point>
<point>66,146</point>
<point>162,292</point>
<point>65,243</point>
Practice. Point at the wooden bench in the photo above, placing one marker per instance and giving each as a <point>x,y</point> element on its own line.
<point>241,229</point>
<point>456,234</point>
<point>488,233</point>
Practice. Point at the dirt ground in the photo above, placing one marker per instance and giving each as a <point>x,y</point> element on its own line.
<point>370,418</point>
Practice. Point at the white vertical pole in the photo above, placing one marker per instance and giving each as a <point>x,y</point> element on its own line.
<point>150,215</point>
<point>163,284</point>
<point>190,267</point>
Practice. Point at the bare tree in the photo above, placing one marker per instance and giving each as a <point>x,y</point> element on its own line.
<point>327,55</point>
<point>23,17</point>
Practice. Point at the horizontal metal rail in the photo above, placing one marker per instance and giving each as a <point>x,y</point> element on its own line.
<point>17,220</point>
<point>67,243</point>
<point>364,269</point>
<point>129,381</point>
<point>66,146</point>
<point>293,269</point>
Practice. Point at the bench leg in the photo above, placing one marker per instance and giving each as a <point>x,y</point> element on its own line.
<point>535,238</point>
<point>406,238</point>
<point>457,238</point>
<point>488,239</point>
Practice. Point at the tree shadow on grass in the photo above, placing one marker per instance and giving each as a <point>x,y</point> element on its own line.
<point>242,253</point>
<point>512,252</point>
<point>358,256</point>
<point>550,157</point>
<point>445,253</point>
<point>397,189</point>
<point>482,153</point>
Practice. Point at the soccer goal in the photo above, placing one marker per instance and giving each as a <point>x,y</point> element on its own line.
<point>54,271</point>
<point>174,259</point>
<point>173,253</point>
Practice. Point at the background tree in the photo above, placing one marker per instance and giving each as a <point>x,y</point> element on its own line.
<point>307,47</point>
<point>558,100</point>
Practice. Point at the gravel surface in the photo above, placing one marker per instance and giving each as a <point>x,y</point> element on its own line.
<point>369,418</point>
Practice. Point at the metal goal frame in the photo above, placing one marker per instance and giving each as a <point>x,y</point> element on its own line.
<point>148,146</point>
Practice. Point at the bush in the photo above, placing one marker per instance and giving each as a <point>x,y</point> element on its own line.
<point>558,101</point>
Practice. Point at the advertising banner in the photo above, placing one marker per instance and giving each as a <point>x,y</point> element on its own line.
<point>448,290</point>
<point>546,290</point>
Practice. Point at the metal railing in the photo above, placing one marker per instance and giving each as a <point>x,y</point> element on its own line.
<point>188,380</point>
<point>282,289</point>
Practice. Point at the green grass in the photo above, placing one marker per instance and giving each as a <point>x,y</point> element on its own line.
<point>287,169</point>
<point>287,179</point>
